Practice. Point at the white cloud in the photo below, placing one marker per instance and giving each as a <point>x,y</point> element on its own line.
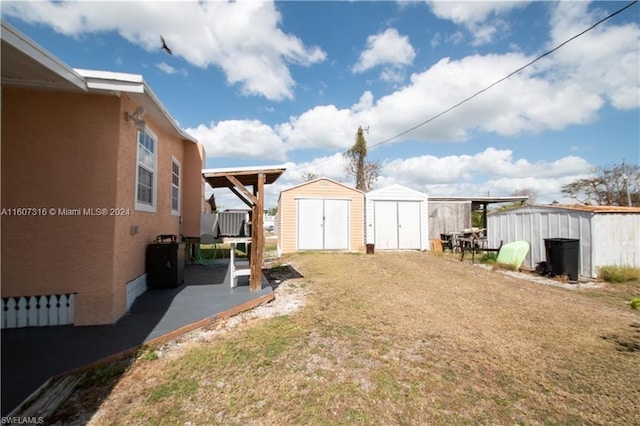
<point>168,69</point>
<point>392,75</point>
<point>330,166</point>
<point>323,127</point>
<point>604,60</point>
<point>566,88</point>
<point>492,170</point>
<point>436,40</point>
<point>241,38</point>
<point>240,138</point>
<point>386,48</point>
<point>480,17</point>
<point>525,103</point>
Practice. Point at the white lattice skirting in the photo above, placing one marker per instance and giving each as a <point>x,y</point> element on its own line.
<point>37,311</point>
<point>135,288</point>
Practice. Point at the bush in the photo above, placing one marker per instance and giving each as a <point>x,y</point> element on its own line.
<point>635,303</point>
<point>618,274</point>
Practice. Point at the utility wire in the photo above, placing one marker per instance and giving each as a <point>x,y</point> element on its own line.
<point>488,87</point>
<point>504,78</point>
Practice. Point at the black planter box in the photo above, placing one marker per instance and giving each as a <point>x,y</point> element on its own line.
<point>165,264</point>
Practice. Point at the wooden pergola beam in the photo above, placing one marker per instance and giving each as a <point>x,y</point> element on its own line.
<point>239,195</point>
<point>237,180</point>
<point>257,234</point>
<point>242,189</point>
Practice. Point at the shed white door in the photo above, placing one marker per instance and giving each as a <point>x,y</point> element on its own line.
<point>323,224</point>
<point>397,225</point>
<point>310,224</point>
<point>386,224</point>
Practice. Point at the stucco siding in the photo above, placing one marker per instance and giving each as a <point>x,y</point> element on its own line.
<point>59,151</point>
<point>71,153</point>
<point>193,190</point>
<point>319,189</point>
<point>130,246</point>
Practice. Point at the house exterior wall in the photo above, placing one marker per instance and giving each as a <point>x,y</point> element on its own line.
<point>448,216</point>
<point>60,151</point>
<point>319,189</point>
<point>83,154</point>
<point>397,193</point>
<point>193,202</point>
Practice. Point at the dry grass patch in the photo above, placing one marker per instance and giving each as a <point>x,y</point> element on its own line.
<point>401,338</point>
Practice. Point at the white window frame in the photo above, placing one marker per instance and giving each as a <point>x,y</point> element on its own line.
<point>175,162</point>
<point>141,206</point>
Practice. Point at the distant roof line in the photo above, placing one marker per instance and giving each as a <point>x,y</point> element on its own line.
<point>578,207</point>
<point>594,209</point>
<point>319,179</point>
<point>481,200</point>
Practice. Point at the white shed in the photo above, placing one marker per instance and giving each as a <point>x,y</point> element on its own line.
<point>609,235</point>
<point>397,218</point>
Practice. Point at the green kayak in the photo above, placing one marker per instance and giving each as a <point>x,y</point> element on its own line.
<point>513,253</point>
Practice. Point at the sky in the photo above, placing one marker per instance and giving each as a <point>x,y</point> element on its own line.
<point>271,83</point>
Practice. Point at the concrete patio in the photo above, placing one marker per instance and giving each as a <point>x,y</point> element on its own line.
<point>32,355</point>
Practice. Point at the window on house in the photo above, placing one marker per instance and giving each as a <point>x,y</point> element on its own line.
<point>146,173</point>
<point>175,187</point>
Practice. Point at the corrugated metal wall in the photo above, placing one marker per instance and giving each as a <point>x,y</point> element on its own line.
<point>618,239</point>
<point>448,216</point>
<point>534,224</point>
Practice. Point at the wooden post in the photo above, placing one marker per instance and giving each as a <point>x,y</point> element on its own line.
<point>257,234</point>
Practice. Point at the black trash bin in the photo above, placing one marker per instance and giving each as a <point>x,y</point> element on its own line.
<point>165,262</point>
<point>563,256</point>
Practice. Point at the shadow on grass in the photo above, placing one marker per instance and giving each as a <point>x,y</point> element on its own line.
<point>628,341</point>
<point>279,273</point>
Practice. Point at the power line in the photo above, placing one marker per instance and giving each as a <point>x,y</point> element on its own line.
<point>504,78</point>
<point>451,108</point>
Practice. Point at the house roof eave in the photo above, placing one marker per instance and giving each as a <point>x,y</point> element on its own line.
<point>27,64</point>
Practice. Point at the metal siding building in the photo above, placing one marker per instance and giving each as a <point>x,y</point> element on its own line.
<point>608,235</point>
<point>397,217</point>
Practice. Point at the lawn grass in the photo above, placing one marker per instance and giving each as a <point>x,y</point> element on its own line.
<point>619,274</point>
<point>402,338</point>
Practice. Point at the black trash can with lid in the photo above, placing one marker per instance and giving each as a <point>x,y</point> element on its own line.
<point>563,256</point>
<point>165,262</point>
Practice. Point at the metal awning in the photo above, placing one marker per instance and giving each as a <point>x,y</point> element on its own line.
<point>480,199</point>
